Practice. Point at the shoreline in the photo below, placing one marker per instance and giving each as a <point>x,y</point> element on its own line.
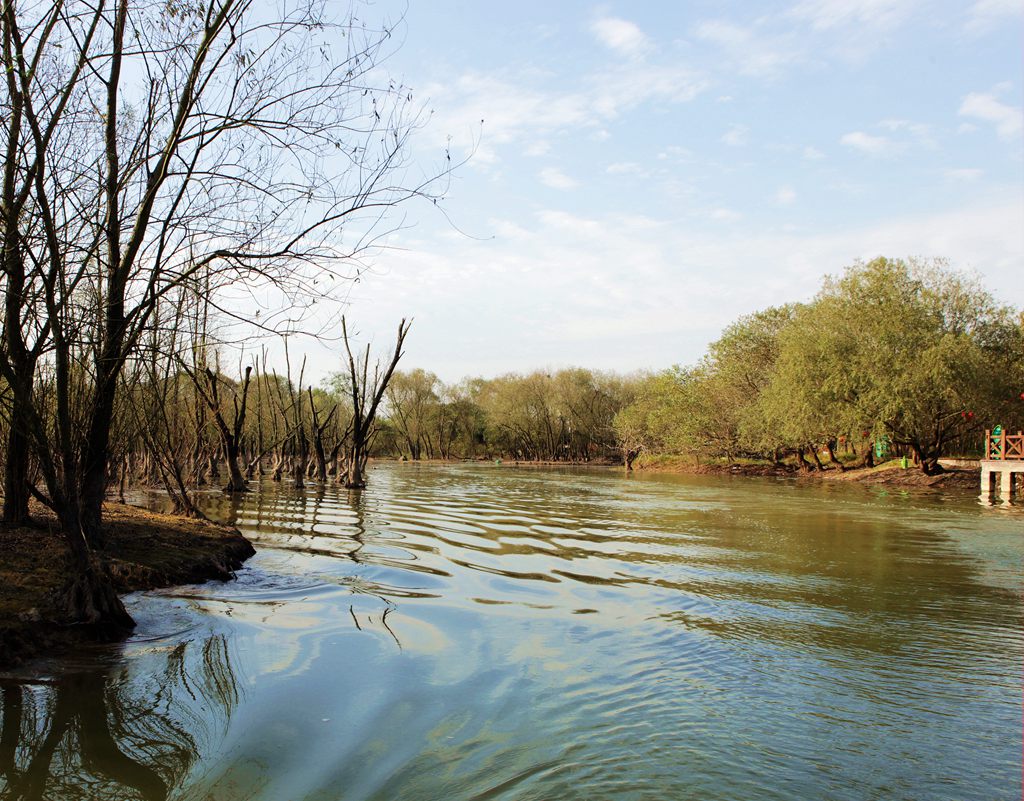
<point>145,551</point>
<point>889,473</point>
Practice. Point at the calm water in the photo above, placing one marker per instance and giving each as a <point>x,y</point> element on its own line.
<point>492,633</point>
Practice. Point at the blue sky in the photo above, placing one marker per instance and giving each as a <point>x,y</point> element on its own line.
<point>647,172</point>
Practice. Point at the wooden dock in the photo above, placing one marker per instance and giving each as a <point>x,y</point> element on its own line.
<point>1003,463</point>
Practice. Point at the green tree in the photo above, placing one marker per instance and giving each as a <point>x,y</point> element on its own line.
<point>906,348</point>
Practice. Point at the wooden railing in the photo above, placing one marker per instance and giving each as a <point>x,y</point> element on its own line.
<point>1003,446</point>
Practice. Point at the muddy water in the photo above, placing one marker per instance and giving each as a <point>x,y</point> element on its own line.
<point>492,633</point>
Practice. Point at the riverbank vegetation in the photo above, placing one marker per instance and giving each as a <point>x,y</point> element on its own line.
<point>892,356</point>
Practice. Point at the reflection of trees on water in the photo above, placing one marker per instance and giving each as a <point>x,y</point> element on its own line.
<point>94,734</point>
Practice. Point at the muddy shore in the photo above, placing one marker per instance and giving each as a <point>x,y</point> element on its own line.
<point>143,551</point>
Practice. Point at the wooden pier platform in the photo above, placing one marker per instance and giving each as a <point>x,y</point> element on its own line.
<point>1003,466</point>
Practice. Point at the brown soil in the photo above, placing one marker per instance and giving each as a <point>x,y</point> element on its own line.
<point>143,551</point>
<point>889,473</point>
<point>893,475</point>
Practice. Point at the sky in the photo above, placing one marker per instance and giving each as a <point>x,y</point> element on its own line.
<point>641,174</point>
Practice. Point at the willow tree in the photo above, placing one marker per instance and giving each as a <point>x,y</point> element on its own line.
<point>906,348</point>
<point>173,146</point>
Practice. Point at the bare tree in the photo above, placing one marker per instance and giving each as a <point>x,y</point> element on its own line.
<point>212,147</point>
<point>365,392</point>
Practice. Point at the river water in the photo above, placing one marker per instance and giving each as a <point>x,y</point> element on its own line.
<point>476,632</point>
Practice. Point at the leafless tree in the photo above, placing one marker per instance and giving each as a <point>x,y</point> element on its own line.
<point>217,147</point>
<point>365,391</point>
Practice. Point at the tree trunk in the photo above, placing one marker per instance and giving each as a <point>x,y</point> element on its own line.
<point>94,465</point>
<point>355,462</point>
<point>236,481</point>
<point>16,487</point>
<point>830,446</point>
<point>89,597</point>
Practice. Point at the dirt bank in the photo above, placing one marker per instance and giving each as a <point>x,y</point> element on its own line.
<point>889,473</point>
<point>144,550</point>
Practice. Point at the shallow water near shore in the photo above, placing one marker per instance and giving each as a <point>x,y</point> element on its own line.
<point>473,632</point>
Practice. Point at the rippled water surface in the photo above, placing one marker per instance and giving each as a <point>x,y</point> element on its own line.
<point>492,633</point>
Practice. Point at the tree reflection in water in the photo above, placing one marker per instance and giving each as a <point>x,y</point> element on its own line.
<point>93,733</point>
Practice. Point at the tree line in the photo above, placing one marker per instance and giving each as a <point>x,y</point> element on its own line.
<point>901,354</point>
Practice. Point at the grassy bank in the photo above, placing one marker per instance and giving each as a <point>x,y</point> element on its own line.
<point>144,550</point>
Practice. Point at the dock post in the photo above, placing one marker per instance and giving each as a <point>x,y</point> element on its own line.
<point>987,484</point>
<point>1007,485</point>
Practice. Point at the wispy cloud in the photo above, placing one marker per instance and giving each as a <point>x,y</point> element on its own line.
<point>985,14</point>
<point>620,35</point>
<point>507,108</point>
<point>668,279</point>
<point>626,168</point>
<point>736,136</point>
<point>785,196</point>
<point>963,174</point>
<point>874,14</point>
<point>986,107</point>
<point>915,130</point>
<point>556,179</point>
<point>749,51</point>
<point>866,143</point>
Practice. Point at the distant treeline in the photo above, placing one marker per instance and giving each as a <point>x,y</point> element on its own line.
<point>906,353</point>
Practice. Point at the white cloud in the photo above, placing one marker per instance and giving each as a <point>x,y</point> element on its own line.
<point>749,51</point>
<point>1006,119</point>
<point>736,136</point>
<point>556,179</point>
<point>625,168</point>
<point>866,143</point>
<point>540,147</point>
<point>813,154</point>
<point>620,35</point>
<point>786,196</point>
<point>563,276</point>
<point>985,14</point>
<point>507,109</point>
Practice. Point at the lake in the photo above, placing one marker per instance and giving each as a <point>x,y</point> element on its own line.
<point>483,632</point>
